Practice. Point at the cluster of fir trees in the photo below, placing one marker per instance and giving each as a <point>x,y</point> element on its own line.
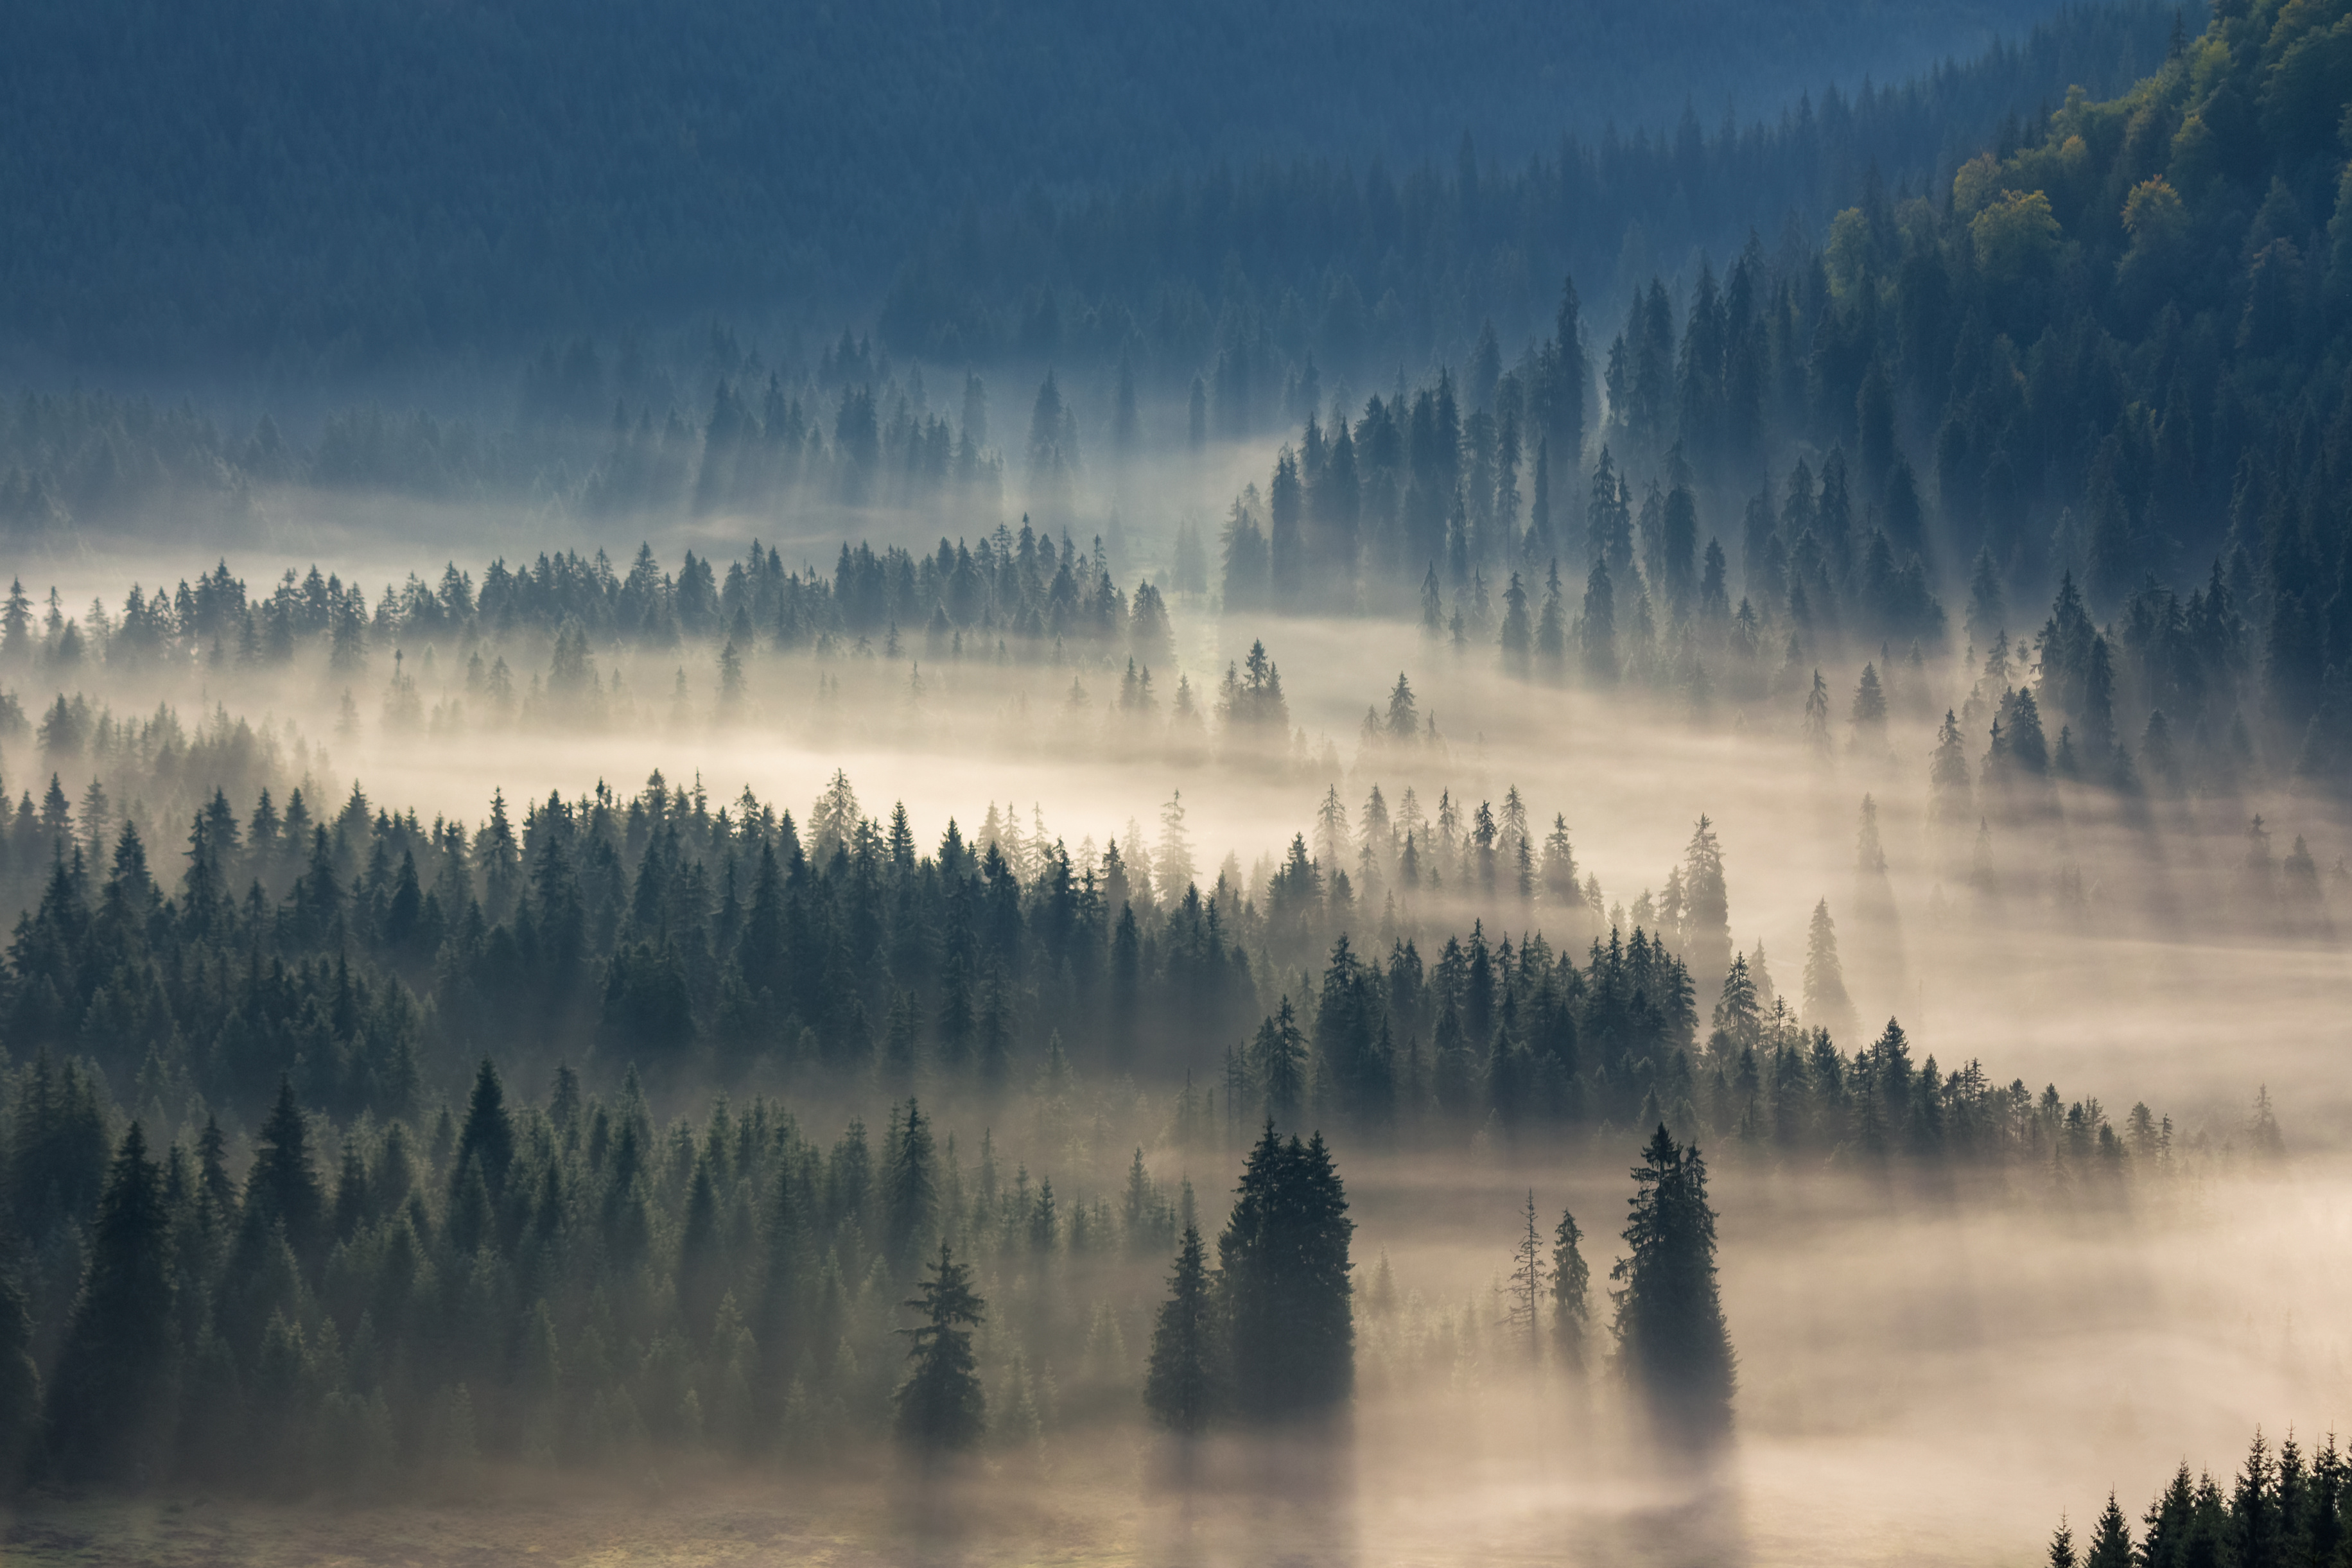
<point>1531,1044</point>
<point>2282,1510</point>
<point>598,441</point>
<point>364,953</point>
<point>2115,347</point>
<point>367,955</point>
<point>1142,282</point>
<point>1017,591</point>
<point>1672,1344</point>
<point>381,1308</point>
<point>1269,1338</point>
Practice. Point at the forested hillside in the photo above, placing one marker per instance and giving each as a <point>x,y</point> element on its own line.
<point>1368,268</point>
<point>981,785</point>
<point>350,188</point>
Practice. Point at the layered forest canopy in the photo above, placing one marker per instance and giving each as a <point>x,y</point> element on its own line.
<point>1239,632</point>
<point>351,187</point>
<point>1368,268</point>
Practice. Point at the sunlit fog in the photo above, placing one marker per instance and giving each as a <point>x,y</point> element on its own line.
<point>925,789</point>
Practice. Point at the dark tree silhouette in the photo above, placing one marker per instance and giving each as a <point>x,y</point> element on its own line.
<point>1672,1341</point>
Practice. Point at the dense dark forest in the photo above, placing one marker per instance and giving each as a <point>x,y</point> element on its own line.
<point>2103,364</point>
<point>1262,285</point>
<point>1265,268</point>
<point>1869,476</point>
<point>2282,1507</point>
<point>370,187</point>
<point>568,1281</point>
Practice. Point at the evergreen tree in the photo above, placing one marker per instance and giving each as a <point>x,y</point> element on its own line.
<point>909,1193</point>
<point>1672,1341</point>
<point>1282,1272</point>
<point>1529,1272</point>
<point>114,1378</point>
<point>2111,1542</point>
<point>1827,1005</point>
<point>20,1383</point>
<point>1181,1389</point>
<point>1572,1307</point>
<point>282,1189</point>
<point>487,1140</point>
<point>941,1406</point>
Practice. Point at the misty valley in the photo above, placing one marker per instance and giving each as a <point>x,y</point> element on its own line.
<point>944,790</point>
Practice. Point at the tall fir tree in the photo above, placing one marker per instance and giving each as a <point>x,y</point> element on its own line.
<point>941,1408</point>
<point>1672,1341</point>
<point>1282,1272</point>
<point>1182,1389</point>
<point>114,1384</point>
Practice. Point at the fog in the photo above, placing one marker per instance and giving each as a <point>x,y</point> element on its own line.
<point>1927,1371</point>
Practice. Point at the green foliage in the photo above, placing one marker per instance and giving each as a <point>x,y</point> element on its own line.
<point>941,1408</point>
<point>1672,1341</point>
<point>1183,1389</point>
<point>1282,1272</point>
<point>115,1375</point>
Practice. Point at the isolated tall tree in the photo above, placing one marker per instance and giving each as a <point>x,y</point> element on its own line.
<point>1827,1006</point>
<point>1571,1305</point>
<point>1283,1268</point>
<point>1672,1341</point>
<point>1529,1273</point>
<point>941,1408</point>
<point>114,1380</point>
<point>1180,1389</point>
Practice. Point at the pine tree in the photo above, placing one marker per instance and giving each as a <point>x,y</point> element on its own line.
<point>1598,630</point>
<point>1572,1308</point>
<point>1181,1389</point>
<point>941,1406</point>
<point>2111,1542</point>
<point>115,1375</point>
<point>1672,1341</point>
<point>1707,907</point>
<point>910,1194</point>
<point>1529,1272</point>
<point>20,1383</point>
<point>1826,1004</point>
<point>283,1188</point>
<point>1519,635</point>
<point>487,1140</point>
<point>1283,1270</point>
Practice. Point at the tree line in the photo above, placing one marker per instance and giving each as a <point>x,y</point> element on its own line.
<point>2284,1509</point>
<point>376,1311</point>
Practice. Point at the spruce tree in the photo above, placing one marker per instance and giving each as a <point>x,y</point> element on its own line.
<point>20,1383</point>
<point>2111,1542</point>
<point>114,1378</point>
<point>1572,1307</point>
<point>1672,1341</point>
<point>282,1188</point>
<point>909,1193</point>
<point>487,1139</point>
<point>941,1408</point>
<point>1530,1271</point>
<point>1827,1005</point>
<point>1181,1388</point>
<point>1283,1270</point>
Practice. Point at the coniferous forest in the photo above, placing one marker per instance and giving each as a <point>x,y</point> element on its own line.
<point>1230,786</point>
